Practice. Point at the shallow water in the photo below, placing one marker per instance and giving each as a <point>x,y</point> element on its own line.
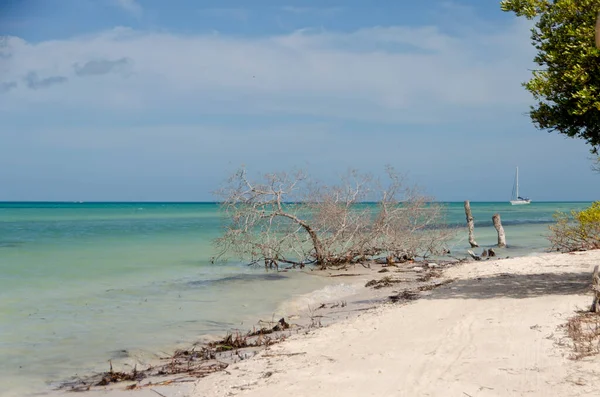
<point>80,283</point>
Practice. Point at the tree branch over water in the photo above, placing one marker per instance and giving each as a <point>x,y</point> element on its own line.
<point>289,219</point>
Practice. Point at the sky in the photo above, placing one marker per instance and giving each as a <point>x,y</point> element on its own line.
<point>148,100</point>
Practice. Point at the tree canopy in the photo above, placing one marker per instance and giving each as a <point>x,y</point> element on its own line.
<point>567,86</point>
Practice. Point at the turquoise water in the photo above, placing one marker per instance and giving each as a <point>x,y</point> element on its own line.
<point>81,282</point>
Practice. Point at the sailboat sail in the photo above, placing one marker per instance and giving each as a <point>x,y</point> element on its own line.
<point>516,198</point>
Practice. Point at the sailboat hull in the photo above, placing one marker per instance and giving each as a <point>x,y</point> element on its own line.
<point>520,202</point>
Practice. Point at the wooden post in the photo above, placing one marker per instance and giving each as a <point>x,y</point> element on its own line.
<point>500,230</point>
<point>470,225</point>
<point>596,290</point>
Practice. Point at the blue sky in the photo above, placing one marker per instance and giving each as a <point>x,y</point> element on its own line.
<point>154,100</point>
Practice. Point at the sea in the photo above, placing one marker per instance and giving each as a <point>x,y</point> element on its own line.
<point>85,283</point>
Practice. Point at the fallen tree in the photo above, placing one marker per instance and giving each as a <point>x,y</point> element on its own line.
<point>289,219</point>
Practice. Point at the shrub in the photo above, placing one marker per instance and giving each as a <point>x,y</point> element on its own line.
<point>577,231</point>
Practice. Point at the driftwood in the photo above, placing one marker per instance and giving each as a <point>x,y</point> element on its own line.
<point>473,255</point>
<point>470,224</point>
<point>596,290</point>
<point>500,230</point>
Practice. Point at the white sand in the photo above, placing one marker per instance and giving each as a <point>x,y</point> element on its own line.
<point>493,332</point>
<point>496,336</point>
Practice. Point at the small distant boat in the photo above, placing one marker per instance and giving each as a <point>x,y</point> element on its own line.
<point>516,199</point>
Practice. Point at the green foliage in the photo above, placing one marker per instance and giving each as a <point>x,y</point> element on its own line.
<point>578,231</point>
<point>589,216</point>
<point>567,87</point>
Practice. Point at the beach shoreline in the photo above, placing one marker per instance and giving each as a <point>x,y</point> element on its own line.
<point>544,289</point>
<point>319,308</point>
<point>87,283</point>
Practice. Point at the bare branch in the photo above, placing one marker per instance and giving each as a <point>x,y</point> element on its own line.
<point>288,219</point>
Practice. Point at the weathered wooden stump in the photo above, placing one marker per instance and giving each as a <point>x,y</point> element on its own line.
<point>500,230</point>
<point>473,255</point>
<point>470,224</point>
<point>596,290</point>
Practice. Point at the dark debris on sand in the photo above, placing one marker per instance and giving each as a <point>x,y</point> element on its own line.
<point>194,363</point>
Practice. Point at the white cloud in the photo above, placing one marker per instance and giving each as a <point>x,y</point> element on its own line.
<point>131,6</point>
<point>141,109</point>
<point>396,74</point>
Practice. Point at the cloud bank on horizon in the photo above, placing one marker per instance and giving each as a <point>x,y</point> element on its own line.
<point>129,112</point>
<point>395,74</point>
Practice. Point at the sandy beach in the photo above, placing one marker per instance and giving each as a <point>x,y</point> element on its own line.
<point>494,331</point>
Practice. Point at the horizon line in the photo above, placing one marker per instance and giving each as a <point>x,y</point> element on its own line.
<point>219,202</point>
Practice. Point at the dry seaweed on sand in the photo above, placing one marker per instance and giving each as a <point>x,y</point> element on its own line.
<point>231,342</point>
<point>281,325</point>
<point>191,364</point>
<point>583,330</point>
<point>386,281</point>
<point>188,363</point>
<point>116,376</point>
<point>407,295</point>
<point>429,275</point>
<point>104,379</point>
<point>410,295</point>
<point>240,341</point>
<point>430,287</point>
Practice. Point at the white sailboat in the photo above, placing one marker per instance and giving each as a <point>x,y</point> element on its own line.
<point>516,199</point>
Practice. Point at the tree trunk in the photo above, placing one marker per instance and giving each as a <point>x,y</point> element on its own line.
<point>596,290</point>
<point>500,230</point>
<point>319,254</point>
<point>470,225</point>
<point>476,257</point>
<point>320,258</point>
